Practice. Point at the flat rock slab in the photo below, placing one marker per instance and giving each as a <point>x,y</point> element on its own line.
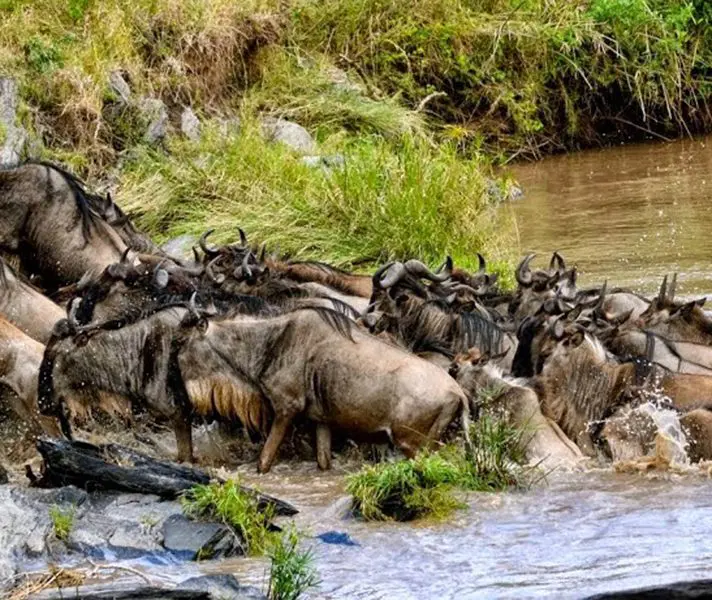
<point>212,587</point>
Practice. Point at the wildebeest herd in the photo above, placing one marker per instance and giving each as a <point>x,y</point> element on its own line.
<point>94,316</point>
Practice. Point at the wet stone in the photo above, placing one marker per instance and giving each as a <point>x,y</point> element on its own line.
<point>190,540</point>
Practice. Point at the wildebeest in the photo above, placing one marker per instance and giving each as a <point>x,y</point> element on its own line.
<point>57,229</point>
<point>545,443</point>
<point>20,359</point>
<point>314,362</point>
<point>114,369</point>
<point>25,307</point>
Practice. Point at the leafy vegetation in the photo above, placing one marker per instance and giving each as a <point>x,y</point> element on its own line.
<point>426,485</point>
<point>420,98</point>
<point>291,569</point>
<point>62,521</point>
<point>230,504</point>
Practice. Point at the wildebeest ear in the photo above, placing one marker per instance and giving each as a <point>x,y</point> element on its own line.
<point>160,278</point>
<point>574,313</point>
<point>454,368</point>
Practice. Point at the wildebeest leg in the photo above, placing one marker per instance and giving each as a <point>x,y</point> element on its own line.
<point>323,446</point>
<point>274,440</point>
<point>184,437</point>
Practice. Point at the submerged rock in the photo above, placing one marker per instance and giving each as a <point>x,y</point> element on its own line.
<point>291,134</point>
<point>193,540</point>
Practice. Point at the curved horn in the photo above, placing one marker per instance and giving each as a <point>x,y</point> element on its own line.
<point>125,256</point>
<point>196,256</point>
<point>203,246</point>
<point>663,291</point>
<point>246,265</point>
<point>72,313</point>
<point>524,272</point>
<point>598,309</point>
<point>243,237</point>
<point>557,263</point>
<point>263,252</point>
<point>482,263</point>
<point>671,289</point>
<point>419,269</point>
<point>209,270</point>
<point>393,275</point>
<point>376,279</point>
<point>193,306</point>
<point>446,267</point>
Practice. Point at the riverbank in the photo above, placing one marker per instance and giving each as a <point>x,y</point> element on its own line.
<point>172,105</point>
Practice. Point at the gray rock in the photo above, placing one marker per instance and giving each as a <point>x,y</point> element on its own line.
<point>181,246</point>
<point>343,82</point>
<point>191,540</point>
<point>119,86</point>
<point>291,134</point>
<point>12,137</point>
<point>156,115</point>
<point>189,124</point>
<point>206,587</point>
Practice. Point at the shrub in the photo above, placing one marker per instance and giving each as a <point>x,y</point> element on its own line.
<point>292,570</point>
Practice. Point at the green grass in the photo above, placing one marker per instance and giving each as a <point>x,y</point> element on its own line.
<point>62,521</point>
<point>427,485</point>
<point>237,509</point>
<point>388,201</point>
<point>292,570</point>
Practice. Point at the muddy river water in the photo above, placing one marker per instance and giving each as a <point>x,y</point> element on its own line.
<point>629,214</point>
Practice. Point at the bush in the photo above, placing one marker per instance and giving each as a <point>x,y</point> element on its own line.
<point>230,504</point>
<point>426,485</point>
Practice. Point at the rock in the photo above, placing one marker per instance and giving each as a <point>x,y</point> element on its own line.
<point>3,476</point>
<point>18,525</point>
<point>191,540</point>
<point>207,587</point>
<point>12,137</point>
<point>291,134</point>
<point>674,591</point>
<point>189,124</point>
<point>338,538</point>
<point>342,81</point>
<point>181,247</point>
<point>156,115</point>
<point>119,87</point>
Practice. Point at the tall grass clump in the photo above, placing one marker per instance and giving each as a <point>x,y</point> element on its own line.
<point>427,485</point>
<point>292,570</point>
<point>230,504</point>
<point>385,201</point>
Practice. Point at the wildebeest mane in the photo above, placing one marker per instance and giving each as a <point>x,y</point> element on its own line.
<point>337,321</point>
<point>88,204</point>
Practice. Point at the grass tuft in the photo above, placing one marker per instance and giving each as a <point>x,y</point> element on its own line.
<point>62,521</point>
<point>425,486</point>
<point>230,504</point>
<point>292,570</point>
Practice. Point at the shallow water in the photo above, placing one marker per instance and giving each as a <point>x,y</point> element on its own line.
<point>629,214</point>
<point>582,533</point>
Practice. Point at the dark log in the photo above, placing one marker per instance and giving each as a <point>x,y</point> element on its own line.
<point>115,467</point>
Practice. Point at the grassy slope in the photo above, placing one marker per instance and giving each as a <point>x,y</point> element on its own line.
<point>440,88</point>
